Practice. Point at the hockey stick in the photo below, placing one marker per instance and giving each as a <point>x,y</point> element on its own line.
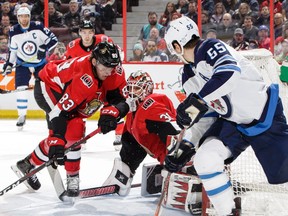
<point>48,163</point>
<point>2,91</point>
<point>103,190</point>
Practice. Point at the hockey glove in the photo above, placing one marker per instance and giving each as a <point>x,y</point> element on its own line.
<point>190,111</point>
<point>174,161</point>
<point>41,54</point>
<point>56,149</point>
<point>108,119</point>
<point>7,69</point>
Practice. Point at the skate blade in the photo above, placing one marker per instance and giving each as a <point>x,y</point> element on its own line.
<point>20,128</point>
<point>67,200</point>
<point>20,175</point>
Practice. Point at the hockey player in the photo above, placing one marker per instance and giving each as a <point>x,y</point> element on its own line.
<point>29,42</point>
<point>250,112</point>
<point>83,46</point>
<point>69,91</point>
<point>150,127</point>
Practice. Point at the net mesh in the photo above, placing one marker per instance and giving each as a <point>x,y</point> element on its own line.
<point>247,176</point>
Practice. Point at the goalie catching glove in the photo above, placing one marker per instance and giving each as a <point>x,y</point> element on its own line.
<point>190,111</point>
<point>174,161</point>
<point>108,119</point>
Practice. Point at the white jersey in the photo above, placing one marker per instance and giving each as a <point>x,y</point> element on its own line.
<point>227,82</point>
<point>24,43</point>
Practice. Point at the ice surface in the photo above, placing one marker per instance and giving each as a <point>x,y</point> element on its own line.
<point>96,164</point>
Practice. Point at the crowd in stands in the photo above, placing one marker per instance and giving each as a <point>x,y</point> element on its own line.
<point>243,24</point>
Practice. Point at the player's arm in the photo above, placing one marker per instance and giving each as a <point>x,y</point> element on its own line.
<point>12,55</point>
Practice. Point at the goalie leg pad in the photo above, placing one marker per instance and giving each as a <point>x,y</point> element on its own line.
<point>121,176</point>
<point>184,192</point>
<point>151,179</point>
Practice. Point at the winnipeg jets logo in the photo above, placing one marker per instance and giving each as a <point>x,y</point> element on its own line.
<point>222,106</point>
<point>29,48</point>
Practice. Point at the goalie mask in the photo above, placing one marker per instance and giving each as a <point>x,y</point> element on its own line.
<point>139,85</point>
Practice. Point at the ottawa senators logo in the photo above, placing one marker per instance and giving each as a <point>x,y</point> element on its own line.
<point>87,80</point>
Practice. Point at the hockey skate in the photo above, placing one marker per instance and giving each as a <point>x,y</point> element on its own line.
<point>117,142</point>
<point>72,185</point>
<point>21,122</point>
<point>22,168</point>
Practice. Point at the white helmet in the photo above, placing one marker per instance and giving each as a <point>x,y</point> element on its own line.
<point>23,10</point>
<point>180,30</point>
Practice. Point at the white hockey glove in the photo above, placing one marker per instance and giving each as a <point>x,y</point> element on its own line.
<point>7,69</point>
<point>190,111</point>
<point>121,176</point>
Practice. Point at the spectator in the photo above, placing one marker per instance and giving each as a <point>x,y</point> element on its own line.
<point>225,30</point>
<point>55,17</point>
<point>182,6</point>
<point>206,24</point>
<point>285,9</point>
<point>264,18</point>
<point>253,5</point>
<point>5,22</point>
<point>264,40</point>
<point>165,18</point>
<point>160,42</point>
<point>38,8</point>
<point>238,42</point>
<point>192,11</point>
<point>152,54</point>
<point>218,13</point>
<point>284,52</point>
<point>145,30</point>
<point>58,53</point>
<point>230,6</point>
<point>244,10</point>
<point>208,5</point>
<point>4,49</point>
<point>176,15</point>
<point>285,30</point>
<point>250,31</point>
<point>277,6</point>
<point>89,8</point>
<point>108,14</point>
<point>137,52</point>
<point>211,33</point>
<point>278,25</point>
<point>6,9</point>
<point>72,18</point>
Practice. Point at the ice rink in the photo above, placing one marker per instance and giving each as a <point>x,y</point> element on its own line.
<point>96,164</point>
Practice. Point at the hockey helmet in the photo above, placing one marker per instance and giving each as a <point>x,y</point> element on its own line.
<point>139,85</point>
<point>23,10</point>
<point>106,54</point>
<point>181,30</point>
<point>86,24</point>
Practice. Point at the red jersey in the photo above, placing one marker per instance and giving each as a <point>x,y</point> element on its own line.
<point>75,48</point>
<point>157,108</point>
<point>81,92</point>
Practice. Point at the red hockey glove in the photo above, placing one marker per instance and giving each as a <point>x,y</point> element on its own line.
<point>108,119</point>
<point>56,149</point>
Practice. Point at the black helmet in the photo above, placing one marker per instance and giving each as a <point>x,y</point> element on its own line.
<point>106,54</point>
<point>86,24</point>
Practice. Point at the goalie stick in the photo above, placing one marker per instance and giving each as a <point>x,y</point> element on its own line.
<point>3,91</point>
<point>48,163</point>
<point>84,193</point>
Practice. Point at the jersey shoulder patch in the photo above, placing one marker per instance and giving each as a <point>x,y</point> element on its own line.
<point>147,103</point>
<point>87,80</point>
<point>72,44</point>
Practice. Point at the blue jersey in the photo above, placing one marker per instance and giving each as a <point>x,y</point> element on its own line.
<point>227,81</point>
<point>24,43</point>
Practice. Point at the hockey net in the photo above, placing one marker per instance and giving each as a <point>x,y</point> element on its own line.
<point>258,197</point>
